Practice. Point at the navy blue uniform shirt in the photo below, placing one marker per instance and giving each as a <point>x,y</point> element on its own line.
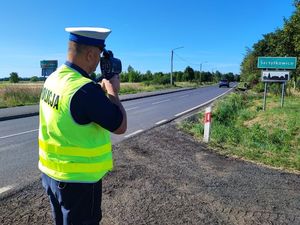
<point>90,104</point>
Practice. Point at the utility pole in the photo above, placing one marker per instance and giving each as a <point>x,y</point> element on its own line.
<point>201,69</point>
<point>172,53</point>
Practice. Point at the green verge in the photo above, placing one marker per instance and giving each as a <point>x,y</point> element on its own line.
<point>240,128</point>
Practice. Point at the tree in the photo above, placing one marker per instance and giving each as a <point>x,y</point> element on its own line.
<point>148,76</point>
<point>292,35</point>
<point>124,77</point>
<point>282,42</point>
<point>189,73</point>
<point>217,76</point>
<point>14,77</point>
<point>249,71</point>
<point>178,76</point>
<point>160,78</point>
<point>229,76</point>
<point>130,69</point>
<point>34,79</point>
<point>133,76</point>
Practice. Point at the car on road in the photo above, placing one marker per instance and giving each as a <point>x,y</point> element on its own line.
<point>224,83</point>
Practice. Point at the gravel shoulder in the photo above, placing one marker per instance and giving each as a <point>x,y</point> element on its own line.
<point>164,176</point>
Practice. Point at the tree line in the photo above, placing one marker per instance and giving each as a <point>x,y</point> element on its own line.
<point>132,75</point>
<point>283,42</point>
<point>189,75</point>
<point>15,78</point>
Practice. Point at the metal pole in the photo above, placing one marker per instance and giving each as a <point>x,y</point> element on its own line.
<point>200,71</point>
<point>172,52</point>
<point>282,93</point>
<point>265,96</point>
<point>171,77</point>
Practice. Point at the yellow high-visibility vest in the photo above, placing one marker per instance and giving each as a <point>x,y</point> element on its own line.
<point>69,151</point>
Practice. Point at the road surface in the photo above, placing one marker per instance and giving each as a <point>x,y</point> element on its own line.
<point>18,137</point>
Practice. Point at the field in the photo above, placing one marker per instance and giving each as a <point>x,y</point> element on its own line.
<point>27,93</point>
<point>19,94</point>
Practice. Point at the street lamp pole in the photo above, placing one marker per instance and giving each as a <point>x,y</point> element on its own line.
<point>201,69</point>
<point>172,53</point>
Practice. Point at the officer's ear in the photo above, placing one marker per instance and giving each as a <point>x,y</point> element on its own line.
<point>89,54</point>
<point>92,53</point>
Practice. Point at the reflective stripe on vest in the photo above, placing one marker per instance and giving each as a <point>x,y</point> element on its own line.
<point>69,151</point>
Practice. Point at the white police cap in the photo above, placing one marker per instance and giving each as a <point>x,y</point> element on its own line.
<point>94,36</point>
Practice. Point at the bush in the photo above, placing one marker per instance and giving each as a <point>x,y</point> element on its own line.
<point>298,85</point>
<point>160,80</point>
<point>259,88</point>
<point>228,108</point>
<point>275,88</point>
<point>245,114</point>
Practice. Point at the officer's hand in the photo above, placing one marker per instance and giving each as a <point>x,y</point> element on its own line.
<point>112,86</point>
<point>102,85</point>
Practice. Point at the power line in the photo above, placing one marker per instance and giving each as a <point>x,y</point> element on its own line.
<point>182,59</point>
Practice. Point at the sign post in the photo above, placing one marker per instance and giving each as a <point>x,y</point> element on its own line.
<point>282,94</point>
<point>265,97</point>
<point>280,75</point>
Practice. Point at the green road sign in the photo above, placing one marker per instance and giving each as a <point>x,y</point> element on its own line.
<point>49,64</point>
<point>277,62</point>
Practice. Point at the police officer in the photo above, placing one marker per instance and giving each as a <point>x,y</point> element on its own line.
<point>76,118</point>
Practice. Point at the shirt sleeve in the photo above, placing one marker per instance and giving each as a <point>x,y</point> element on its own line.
<point>90,104</point>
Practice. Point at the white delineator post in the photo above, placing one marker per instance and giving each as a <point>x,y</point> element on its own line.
<point>207,123</point>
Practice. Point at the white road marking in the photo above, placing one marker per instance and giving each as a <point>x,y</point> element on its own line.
<point>154,103</point>
<point>132,108</point>
<point>198,106</point>
<point>25,132</point>
<point>4,189</point>
<point>182,96</point>
<point>159,122</point>
<point>135,132</point>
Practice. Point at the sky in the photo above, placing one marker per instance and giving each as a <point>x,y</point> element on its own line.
<point>213,33</point>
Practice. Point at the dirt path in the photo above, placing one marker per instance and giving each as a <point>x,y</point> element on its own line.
<point>163,176</point>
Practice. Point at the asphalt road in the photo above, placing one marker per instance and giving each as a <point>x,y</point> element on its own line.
<point>18,137</point>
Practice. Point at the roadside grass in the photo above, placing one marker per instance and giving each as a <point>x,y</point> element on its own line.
<point>28,93</point>
<point>19,94</point>
<point>133,88</point>
<point>240,128</point>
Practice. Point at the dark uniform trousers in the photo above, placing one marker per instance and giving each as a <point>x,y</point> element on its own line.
<point>74,203</point>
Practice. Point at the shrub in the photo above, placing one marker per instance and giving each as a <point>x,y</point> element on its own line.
<point>228,108</point>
